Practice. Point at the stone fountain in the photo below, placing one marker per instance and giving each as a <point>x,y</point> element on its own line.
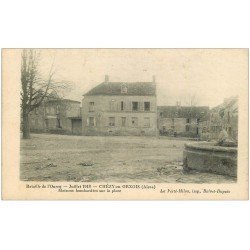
<point>219,157</point>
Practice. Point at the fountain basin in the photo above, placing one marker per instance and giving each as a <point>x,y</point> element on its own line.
<point>205,157</point>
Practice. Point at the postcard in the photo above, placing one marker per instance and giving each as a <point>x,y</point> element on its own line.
<point>125,124</point>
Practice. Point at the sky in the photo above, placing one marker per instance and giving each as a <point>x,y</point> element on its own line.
<point>206,75</point>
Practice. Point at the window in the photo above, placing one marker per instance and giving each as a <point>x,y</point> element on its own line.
<point>47,123</point>
<point>112,121</point>
<point>91,107</point>
<point>161,114</point>
<point>112,105</point>
<point>147,106</point>
<point>188,120</point>
<point>124,89</point>
<point>146,122</point>
<point>187,128</point>
<point>58,123</point>
<point>122,105</point>
<point>135,106</point>
<point>91,121</point>
<point>134,122</point>
<point>57,109</point>
<point>123,121</point>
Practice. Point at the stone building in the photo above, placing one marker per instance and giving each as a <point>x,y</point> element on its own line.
<point>120,108</point>
<point>180,120</point>
<point>224,116</point>
<point>62,116</point>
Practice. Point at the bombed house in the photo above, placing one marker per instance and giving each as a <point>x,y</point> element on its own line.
<point>61,116</point>
<point>223,116</point>
<point>180,120</point>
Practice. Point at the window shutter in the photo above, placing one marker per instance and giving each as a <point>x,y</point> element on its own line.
<point>88,122</point>
<point>94,122</point>
<point>152,106</point>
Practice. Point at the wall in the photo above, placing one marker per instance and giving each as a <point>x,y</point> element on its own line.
<point>110,106</point>
<point>37,120</point>
<point>48,116</point>
<point>178,126</point>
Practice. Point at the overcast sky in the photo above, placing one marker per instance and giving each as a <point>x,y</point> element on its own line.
<point>208,74</point>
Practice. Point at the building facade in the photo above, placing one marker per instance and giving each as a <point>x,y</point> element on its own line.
<point>62,116</point>
<point>224,116</point>
<point>180,120</point>
<point>118,108</point>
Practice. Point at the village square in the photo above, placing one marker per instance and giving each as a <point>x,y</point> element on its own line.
<point>117,132</point>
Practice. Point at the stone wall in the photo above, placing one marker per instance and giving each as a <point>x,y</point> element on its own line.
<point>206,157</point>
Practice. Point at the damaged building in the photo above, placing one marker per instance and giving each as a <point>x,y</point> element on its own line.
<point>130,108</point>
<point>61,116</point>
<point>180,120</point>
<point>223,116</point>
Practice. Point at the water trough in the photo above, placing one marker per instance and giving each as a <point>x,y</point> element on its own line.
<point>206,157</point>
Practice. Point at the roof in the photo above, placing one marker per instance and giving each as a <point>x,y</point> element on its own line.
<point>133,89</point>
<point>182,111</point>
<point>62,100</point>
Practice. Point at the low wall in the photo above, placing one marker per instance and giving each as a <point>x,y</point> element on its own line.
<point>206,157</point>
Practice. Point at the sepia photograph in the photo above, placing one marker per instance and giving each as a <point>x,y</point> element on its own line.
<point>148,123</point>
<point>161,116</point>
<point>124,125</point>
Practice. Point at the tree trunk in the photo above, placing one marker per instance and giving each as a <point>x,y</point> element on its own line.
<point>26,126</point>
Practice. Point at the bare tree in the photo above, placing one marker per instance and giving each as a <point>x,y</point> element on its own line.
<point>35,89</point>
<point>191,100</point>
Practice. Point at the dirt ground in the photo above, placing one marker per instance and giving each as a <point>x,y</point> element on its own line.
<point>47,157</point>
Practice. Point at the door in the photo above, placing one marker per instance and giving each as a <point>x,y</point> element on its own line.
<point>76,127</point>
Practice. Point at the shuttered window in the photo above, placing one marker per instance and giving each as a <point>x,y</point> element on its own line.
<point>113,105</point>
<point>91,106</point>
<point>112,121</point>
<point>123,121</point>
<point>91,122</point>
<point>135,106</point>
<point>146,106</point>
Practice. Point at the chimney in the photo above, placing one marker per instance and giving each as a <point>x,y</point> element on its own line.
<point>106,78</point>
